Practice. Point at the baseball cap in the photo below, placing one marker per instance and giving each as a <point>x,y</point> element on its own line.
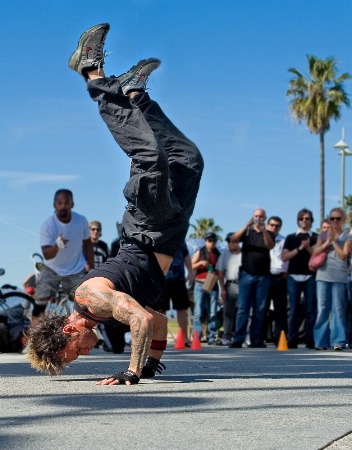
<point>228,236</point>
<point>210,235</point>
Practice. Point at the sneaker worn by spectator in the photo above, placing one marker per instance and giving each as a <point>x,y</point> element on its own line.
<point>235,344</point>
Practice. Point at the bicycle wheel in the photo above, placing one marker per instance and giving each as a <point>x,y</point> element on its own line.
<point>13,299</point>
<point>14,304</point>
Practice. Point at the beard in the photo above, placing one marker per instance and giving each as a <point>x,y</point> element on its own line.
<point>63,214</point>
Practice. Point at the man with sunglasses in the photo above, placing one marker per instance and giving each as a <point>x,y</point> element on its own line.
<point>297,250</point>
<point>278,286</point>
<point>101,249</point>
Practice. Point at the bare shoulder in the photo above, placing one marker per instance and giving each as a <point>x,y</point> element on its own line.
<point>96,295</point>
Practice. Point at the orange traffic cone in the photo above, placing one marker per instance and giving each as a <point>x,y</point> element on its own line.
<point>196,345</point>
<point>282,345</point>
<point>180,341</point>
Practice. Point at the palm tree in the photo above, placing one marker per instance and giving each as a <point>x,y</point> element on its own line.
<point>316,100</point>
<point>204,226</point>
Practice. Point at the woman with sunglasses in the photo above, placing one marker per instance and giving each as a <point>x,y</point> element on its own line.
<point>332,279</point>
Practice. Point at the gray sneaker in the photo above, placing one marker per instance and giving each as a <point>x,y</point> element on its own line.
<point>136,78</point>
<point>90,50</point>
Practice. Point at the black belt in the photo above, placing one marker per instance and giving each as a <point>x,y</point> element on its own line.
<point>232,281</point>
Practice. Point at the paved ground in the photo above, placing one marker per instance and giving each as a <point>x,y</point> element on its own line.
<point>216,398</point>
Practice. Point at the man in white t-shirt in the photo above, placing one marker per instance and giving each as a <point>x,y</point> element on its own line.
<point>228,266</point>
<point>67,250</point>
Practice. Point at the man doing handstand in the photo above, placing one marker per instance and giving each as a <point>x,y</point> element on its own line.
<point>165,172</point>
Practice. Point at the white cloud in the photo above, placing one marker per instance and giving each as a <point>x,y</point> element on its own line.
<point>21,179</point>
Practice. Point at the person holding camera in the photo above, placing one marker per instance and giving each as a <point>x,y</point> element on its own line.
<point>254,278</point>
<point>297,250</point>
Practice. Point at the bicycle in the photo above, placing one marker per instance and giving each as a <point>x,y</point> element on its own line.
<point>11,298</point>
<point>12,317</point>
<point>61,304</point>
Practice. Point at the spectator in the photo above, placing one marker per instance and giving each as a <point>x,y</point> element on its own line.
<point>331,279</point>
<point>278,276</point>
<point>205,260</point>
<point>254,279</point>
<point>349,309</point>
<point>101,249</point>
<point>176,289</point>
<point>324,226</point>
<point>228,267</point>
<point>67,250</point>
<point>297,250</point>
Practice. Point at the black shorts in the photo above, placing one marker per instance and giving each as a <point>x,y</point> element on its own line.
<point>177,292</point>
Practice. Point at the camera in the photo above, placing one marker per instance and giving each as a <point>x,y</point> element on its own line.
<point>256,221</point>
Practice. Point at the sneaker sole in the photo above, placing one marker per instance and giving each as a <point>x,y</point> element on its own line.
<point>136,68</point>
<point>77,55</point>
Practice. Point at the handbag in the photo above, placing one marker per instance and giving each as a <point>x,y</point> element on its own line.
<point>210,281</point>
<point>316,261</point>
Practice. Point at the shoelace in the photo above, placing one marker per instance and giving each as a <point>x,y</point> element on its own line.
<point>99,61</point>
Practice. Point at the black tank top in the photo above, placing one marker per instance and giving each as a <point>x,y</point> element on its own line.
<point>134,271</point>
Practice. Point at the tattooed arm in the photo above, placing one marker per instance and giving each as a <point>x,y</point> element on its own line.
<point>98,296</point>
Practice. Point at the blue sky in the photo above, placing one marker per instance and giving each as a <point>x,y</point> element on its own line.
<point>223,82</point>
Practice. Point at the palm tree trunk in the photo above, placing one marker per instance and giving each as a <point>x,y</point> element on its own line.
<point>322,176</point>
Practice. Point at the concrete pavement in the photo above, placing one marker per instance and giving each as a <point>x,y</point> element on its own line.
<point>216,398</point>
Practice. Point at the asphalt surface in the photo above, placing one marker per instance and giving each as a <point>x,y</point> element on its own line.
<point>215,398</point>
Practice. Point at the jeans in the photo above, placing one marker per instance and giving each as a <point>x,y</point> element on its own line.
<point>331,300</point>
<point>205,301</point>
<point>230,310</point>
<point>295,289</point>
<point>349,296</point>
<point>166,167</point>
<point>253,291</point>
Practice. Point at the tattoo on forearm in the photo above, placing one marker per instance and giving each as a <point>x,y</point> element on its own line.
<point>125,309</point>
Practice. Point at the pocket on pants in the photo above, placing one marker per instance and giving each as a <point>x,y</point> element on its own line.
<point>142,190</point>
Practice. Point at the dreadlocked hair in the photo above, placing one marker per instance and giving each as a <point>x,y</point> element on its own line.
<point>44,340</point>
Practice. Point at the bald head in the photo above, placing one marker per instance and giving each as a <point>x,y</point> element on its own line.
<point>259,214</point>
